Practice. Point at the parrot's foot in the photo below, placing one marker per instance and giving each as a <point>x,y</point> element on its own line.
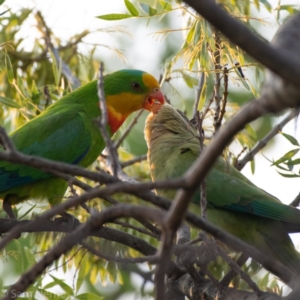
<point>7,208</point>
<point>67,218</point>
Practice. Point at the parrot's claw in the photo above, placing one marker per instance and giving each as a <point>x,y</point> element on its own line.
<point>7,208</point>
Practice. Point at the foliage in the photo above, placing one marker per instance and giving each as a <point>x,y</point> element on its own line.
<point>33,79</point>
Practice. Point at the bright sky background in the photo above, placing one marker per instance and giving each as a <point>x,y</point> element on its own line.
<point>67,17</point>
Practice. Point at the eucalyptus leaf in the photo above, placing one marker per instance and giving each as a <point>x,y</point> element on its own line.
<point>286,156</point>
<point>9,102</point>
<point>291,139</point>
<point>131,8</point>
<point>114,17</point>
<point>9,68</point>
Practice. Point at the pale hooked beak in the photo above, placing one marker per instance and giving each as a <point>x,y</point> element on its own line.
<point>156,97</point>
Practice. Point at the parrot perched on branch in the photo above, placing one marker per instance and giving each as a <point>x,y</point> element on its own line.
<point>67,132</point>
<point>233,202</point>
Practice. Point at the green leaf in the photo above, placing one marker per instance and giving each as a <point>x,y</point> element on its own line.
<point>89,296</point>
<point>29,257</point>
<point>282,168</point>
<point>289,8</point>
<point>165,5</point>
<point>112,272</point>
<point>114,17</point>
<point>288,175</point>
<point>191,33</point>
<point>27,212</point>
<point>10,71</point>
<point>253,90</point>
<point>152,11</point>
<point>23,90</point>
<point>83,271</point>
<point>9,102</point>
<point>250,131</point>
<point>103,276</point>
<point>189,80</point>
<point>267,5</point>
<point>62,284</point>
<point>2,1</point>
<point>242,80</point>
<point>131,8</point>
<point>197,34</point>
<point>294,162</point>
<point>204,62</point>
<point>203,95</point>
<point>35,94</point>
<point>47,294</point>
<point>264,281</point>
<point>252,165</point>
<point>208,35</point>
<point>286,156</point>
<point>1,14</point>
<point>147,8</point>
<point>291,139</point>
<point>55,68</point>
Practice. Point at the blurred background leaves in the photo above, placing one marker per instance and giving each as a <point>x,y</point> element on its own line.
<point>37,72</point>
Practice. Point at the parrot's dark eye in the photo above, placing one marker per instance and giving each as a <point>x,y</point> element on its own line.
<point>136,86</point>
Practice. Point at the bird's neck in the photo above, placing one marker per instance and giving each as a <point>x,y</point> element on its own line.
<point>115,119</point>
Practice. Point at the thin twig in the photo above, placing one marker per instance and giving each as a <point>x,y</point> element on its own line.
<point>47,33</point>
<point>128,129</point>
<point>224,99</point>
<point>133,161</point>
<point>234,266</point>
<point>164,254</point>
<point>232,274</point>
<point>203,200</point>
<point>103,121</point>
<point>139,229</point>
<point>6,142</point>
<point>238,156</point>
<point>150,259</point>
<point>296,201</point>
<point>217,85</point>
<point>47,96</point>
<point>262,143</point>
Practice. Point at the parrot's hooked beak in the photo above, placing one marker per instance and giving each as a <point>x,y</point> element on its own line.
<point>154,98</point>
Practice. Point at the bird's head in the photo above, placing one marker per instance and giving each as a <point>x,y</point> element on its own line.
<point>127,91</point>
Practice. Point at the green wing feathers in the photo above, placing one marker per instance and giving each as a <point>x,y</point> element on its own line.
<point>233,202</point>
<point>60,134</point>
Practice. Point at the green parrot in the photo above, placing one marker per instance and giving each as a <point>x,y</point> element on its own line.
<point>234,203</point>
<point>67,132</point>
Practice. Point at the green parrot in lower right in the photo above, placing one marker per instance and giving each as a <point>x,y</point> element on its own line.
<point>234,203</point>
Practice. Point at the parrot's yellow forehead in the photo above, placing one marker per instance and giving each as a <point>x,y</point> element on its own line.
<point>150,81</point>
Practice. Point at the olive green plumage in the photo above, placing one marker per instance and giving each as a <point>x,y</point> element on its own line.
<point>67,132</point>
<point>233,202</point>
